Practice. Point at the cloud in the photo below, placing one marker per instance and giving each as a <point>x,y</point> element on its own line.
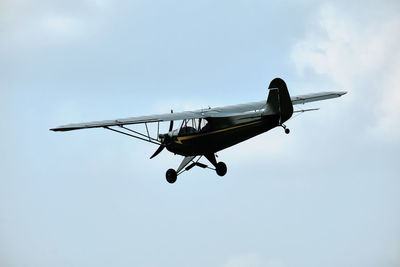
<point>99,3</point>
<point>28,24</point>
<point>359,55</point>
<point>62,25</point>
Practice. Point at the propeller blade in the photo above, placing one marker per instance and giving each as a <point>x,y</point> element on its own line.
<point>166,139</point>
<point>171,123</point>
<point>158,151</point>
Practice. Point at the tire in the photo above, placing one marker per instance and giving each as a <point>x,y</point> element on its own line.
<point>171,176</point>
<point>221,168</point>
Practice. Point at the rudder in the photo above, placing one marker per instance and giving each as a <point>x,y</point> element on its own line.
<point>279,99</point>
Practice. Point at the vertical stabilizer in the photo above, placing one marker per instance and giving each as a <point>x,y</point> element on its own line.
<point>279,99</point>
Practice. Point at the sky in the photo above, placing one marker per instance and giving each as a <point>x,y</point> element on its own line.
<point>327,194</point>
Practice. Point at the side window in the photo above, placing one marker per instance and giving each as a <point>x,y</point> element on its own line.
<point>202,123</point>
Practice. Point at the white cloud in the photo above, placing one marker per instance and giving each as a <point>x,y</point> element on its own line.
<point>360,56</point>
<point>389,106</point>
<point>99,3</point>
<point>28,24</point>
<point>62,25</point>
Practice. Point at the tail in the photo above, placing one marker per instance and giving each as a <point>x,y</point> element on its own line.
<point>279,100</point>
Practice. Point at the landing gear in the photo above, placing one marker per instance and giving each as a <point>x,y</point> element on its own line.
<point>171,176</point>
<point>287,130</point>
<point>221,168</point>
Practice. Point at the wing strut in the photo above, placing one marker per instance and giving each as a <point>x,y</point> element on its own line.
<point>147,139</point>
<point>146,136</point>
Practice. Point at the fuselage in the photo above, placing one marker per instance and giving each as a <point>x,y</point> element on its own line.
<point>220,133</point>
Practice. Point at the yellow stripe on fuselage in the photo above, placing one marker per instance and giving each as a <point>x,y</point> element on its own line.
<point>183,138</point>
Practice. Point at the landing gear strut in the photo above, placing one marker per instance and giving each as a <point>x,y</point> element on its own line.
<point>220,167</point>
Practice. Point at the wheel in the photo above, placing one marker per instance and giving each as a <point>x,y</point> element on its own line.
<point>287,131</point>
<point>171,176</point>
<point>221,168</point>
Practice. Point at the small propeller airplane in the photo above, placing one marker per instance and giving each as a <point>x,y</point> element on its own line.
<point>204,132</point>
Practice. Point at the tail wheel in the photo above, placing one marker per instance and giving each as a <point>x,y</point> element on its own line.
<point>287,130</point>
<point>171,176</point>
<point>221,168</point>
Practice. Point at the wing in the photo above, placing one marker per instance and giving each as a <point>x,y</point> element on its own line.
<point>259,105</point>
<point>225,111</point>
<point>131,120</point>
<point>196,114</point>
<point>301,99</point>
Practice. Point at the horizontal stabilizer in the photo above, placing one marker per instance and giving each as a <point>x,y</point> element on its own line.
<point>305,110</point>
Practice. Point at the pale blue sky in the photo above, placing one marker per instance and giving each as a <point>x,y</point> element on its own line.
<point>325,195</point>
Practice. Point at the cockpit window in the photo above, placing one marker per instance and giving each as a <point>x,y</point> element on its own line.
<point>187,130</point>
<point>192,126</point>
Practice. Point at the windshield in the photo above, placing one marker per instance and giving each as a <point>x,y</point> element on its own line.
<point>191,126</point>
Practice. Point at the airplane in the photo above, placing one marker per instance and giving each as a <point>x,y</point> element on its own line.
<point>205,132</point>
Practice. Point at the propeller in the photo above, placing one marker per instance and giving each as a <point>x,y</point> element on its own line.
<point>158,151</point>
<point>165,139</point>
<point>171,123</point>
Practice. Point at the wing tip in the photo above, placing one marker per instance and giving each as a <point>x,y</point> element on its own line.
<point>57,129</point>
<point>62,129</point>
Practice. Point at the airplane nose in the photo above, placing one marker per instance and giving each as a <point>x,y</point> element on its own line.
<point>164,138</point>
